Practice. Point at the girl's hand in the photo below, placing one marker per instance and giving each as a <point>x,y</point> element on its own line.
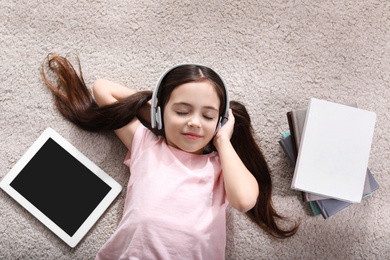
<point>226,131</point>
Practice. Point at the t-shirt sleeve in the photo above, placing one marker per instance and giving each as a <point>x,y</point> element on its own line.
<point>143,137</point>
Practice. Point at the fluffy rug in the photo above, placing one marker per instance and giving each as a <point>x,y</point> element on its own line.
<point>274,55</point>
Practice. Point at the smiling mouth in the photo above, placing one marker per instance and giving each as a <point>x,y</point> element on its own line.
<point>192,136</point>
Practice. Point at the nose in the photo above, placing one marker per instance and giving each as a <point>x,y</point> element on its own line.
<point>194,122</point>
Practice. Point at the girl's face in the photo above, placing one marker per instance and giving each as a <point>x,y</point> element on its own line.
<point>191,116</point>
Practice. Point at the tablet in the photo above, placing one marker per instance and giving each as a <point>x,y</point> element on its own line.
<point>61,187</point>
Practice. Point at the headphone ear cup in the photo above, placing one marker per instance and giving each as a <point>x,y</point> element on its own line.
<point>158,118</point>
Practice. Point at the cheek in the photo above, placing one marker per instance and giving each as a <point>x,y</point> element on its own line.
<point>172,120</point>
<point>211,127</point>
<point>173,126</point>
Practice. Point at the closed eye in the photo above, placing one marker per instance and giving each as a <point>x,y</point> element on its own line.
<point>181,113</point>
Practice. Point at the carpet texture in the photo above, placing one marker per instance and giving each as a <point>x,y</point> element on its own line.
<point>274,55</point>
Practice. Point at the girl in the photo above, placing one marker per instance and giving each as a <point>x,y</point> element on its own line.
<point>183,175</point>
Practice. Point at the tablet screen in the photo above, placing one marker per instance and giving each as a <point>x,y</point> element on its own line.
<point>60,186</point>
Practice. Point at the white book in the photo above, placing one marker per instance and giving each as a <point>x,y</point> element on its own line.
<point>334,151</point>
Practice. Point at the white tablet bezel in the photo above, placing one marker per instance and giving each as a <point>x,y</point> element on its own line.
<point>72,241</point>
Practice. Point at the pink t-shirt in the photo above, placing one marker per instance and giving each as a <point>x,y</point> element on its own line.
<point>175,206</point>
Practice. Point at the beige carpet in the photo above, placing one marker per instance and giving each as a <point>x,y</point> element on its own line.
<point>274,55</point>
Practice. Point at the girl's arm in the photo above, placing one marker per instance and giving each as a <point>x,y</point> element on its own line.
<point>106,93</point>
<point>241,186</point>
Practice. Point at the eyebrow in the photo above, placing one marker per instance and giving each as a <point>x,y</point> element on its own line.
<point>189,105</point>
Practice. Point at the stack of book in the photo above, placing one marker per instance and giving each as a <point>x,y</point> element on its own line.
<point>329,145</point>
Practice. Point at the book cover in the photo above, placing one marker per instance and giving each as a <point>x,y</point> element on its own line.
<point>286,144</point>
<point>328,207</point>
<point>296,120</point>
<point>331,162</point>
<point>292,133</point>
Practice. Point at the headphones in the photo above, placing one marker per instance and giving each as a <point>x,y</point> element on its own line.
<point>155,112</point>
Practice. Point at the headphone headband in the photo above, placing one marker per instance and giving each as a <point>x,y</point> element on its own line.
<point>155,112</point>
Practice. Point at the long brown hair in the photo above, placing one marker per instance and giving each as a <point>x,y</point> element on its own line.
<point>76,103</point>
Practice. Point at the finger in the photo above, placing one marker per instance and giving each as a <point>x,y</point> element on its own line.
<point>230,115</point>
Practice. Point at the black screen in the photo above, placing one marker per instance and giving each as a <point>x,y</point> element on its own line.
<point>60,186</point>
